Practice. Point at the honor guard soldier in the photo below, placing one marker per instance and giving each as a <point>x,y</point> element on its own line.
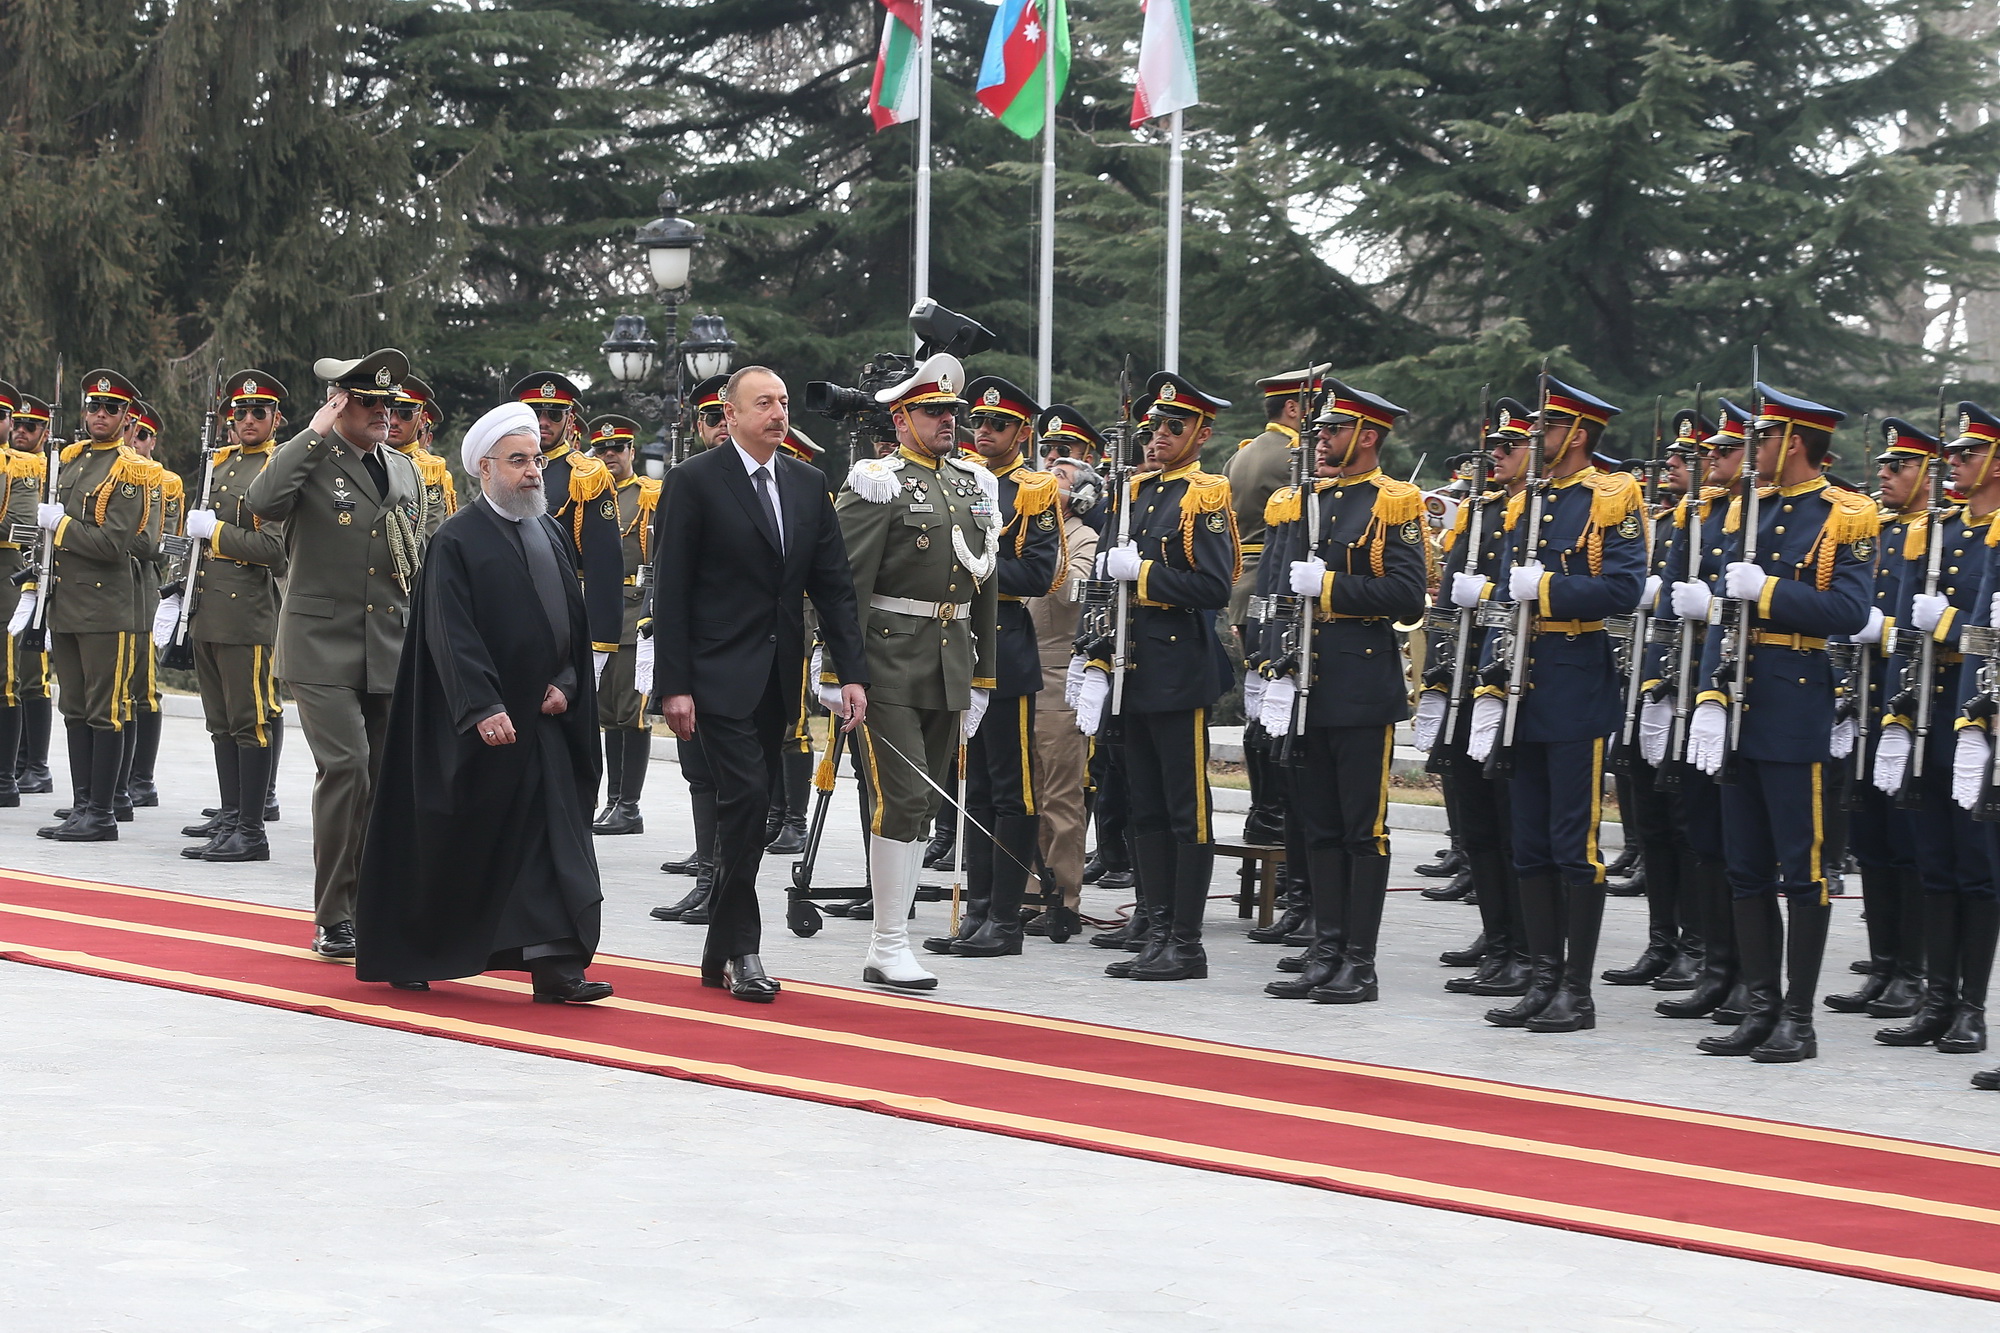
<point>1356,567</point>
<point>706,397</point>
<point>791,796</point>
<point>101,529</point>
<point>621,706</point>
<point>27,664</point>
<point>1961,913</point>
<point>1585,561</point>
<point>411,422</point>
<point>578,490</point>
<point>1476,805</point>
<point>923,537</point>
<point>999,758</point>
<point>1791,590</point>
<point>142,733</point>
<point>351,508</point>
<point>232,623</point>
<point>22,473</point>
<point>1180,557</point>
<point>1879,832</point>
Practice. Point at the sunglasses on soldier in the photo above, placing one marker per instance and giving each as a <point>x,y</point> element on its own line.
<point>103,405</point>
<point>993,420</point>
<point>259,411</point>
<point>1174,426</point>
<point>551,413</point>
<point>405,413</point>
<point>711,416</point>
<point>935,410</point>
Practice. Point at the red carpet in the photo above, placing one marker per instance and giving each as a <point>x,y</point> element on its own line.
<point>1897,1211</point>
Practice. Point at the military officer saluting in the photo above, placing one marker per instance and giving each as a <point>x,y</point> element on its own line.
<point>1179,554</point>
<point>27,665</point>
<point>923,538</point>
<point>411,421</point>
<point>1799,585</point>
<point>1353,549</point>
<point>22,473</point>
<point>233,624</point>
<point>999,759</point>
<point>578,490</point>
<point>351,508</point>
<point>628,736</point>
<point>100,526</point>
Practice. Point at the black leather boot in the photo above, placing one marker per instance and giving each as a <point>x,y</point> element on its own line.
<point>1183,958</point>
<point>632,781</point>
<point>10,745</point>
<point>32,773</point>
<point>145,754</point>
<point>276,733</point>
<point>1904,994</point>
<point>128,753</point>
<point>1454,890</point>
<point>82,752</point>
<point>1793,1038</point>
<point>1153,913</point>
<point>1448,864</point>
<point>937,852</point>
<point>1878,908</point>
<point>977,855</point>
<point>1327,870</point>
<point>1013,857</point>
<point>1297,909</point>
<point>1718,974</point>
<point>614,771</point>
<point>1367,890</point>
<point>1504,970</point>
<point>798,767</point>
<point>246,842</point>
<point>1760,944</point>
<point>1470,956</point>
<point>701,809</point>
<point>703,858</point>
<point>1933,1019</point>
<point>1660,873</point>
<point>1626,863</point>
<point>1264,826</point>
<point>1571,1008</point>
<point>95,821</point>
<point>1542,920</point>
<point>228,780</point>
<point>1978,926</point>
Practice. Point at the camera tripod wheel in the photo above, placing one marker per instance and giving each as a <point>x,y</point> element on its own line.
<point>803,918</point>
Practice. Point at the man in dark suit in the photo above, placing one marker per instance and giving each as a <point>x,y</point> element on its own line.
<point>746,533</point>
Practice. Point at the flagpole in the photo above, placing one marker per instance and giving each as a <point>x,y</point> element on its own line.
<point>922,264</point>
<point>1046,352</point>
<point>1170,357</point>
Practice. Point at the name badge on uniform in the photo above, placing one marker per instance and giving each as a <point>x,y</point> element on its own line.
<point>923,509</point>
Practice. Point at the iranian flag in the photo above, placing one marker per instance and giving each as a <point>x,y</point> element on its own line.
<point>1166,61</point>
<point>898,62</point>
<point>1017,57</point>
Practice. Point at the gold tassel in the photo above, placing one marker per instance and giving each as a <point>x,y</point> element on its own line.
<point>1282,507</point>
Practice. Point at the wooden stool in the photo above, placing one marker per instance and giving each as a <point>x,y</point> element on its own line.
<point>1256,878</point>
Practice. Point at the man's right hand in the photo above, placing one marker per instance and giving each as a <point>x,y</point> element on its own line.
<point>329,411</point>
<point>680,715</point>
<point>497,730</point>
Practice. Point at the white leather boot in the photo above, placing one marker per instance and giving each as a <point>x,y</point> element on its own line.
<point>892,878</point>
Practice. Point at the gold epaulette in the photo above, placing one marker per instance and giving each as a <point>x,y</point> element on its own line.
<point>172,486</point>
<point>1732,518</point>
<point>649,494</point>
<point>431,469</point>
<point>1209,494</point>
<point>1853,517</point>
<point>1618,494</point>
<point>72,452</point>
<point>1282,507</point>
<point>19,464</point>
<point>140,471</point>
<point>1459,523</point>
<point>1397,502</point>
<point>1515,508</point>
<point>1035,492</point>
<point>224,454</point>
<point>588,478</point>
<point>1709,495</point>
<point>1241,445</point>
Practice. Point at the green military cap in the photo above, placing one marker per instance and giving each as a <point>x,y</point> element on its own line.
<point>545,388</point>
<point>31,408</point>
<point>147,416</point>
<point>613,430</point>
<point>252,386</point>
<point>378,375</point>
<point>10,397</point>
<point>110,386</point>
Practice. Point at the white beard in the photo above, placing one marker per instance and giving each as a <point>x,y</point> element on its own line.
<point>517,504</point>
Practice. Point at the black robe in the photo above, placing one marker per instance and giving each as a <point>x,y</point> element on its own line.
<point>475,851</point>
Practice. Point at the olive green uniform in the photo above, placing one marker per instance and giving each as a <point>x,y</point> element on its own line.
<point>620,703</point>
<point>109,527</point>
<point>233,615</point>
<point>142,686</point>
<point>24,475</point>
<point>899,516</point>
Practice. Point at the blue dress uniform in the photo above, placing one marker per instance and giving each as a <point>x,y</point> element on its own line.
<point>1955,853</point>
<point>578,491</point>
<point>1707,914</point>
<point>1369,534</point>
<point>1185,534</point>
<point>1592,544</point>
<point>1880,834</point>
<point>1816,546</point>
<point>999,759</point>
<point>1477,806</point>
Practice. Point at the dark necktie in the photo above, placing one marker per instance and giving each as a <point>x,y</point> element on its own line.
<point>378,470</point>
<point>762,478</point>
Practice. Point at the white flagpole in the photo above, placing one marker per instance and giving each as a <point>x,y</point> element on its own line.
<point>922,264</point>
<point>1046,352</point>
<point>1170,357</point>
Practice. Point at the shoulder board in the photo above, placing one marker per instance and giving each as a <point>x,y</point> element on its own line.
<point>1618,494</point>
<point>224,454</point>
<point>72,452</point>
<point>1852,515</point>
<point>173,486</point>
<point>1282,507</point>
<point>1459,522</point>
<point>874,479</point>
<point>140,471</point>
<point>433,469</point>
<point>649,493</point>
<point>1241,445</point>
<point>1397,502</point>
<point>26,465</point>
<point>588,478</point>
<point>1205,491</point>
<point>1035,492</point>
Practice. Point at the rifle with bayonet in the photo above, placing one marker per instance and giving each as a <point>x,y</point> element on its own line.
<point>1732,673</point>
<point>1517,638</point>
<point>1860,683</point>
<point>1687,643</point>
<point>1461,624</point>
<point>1104,618</point>
<point>1299,610</point>
<point>42,567</point>
<point>1638,631</point>
<point>1920,684</point>
<point>178,653</point>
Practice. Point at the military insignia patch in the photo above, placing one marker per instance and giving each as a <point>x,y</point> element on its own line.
<point>345,518</point>
<point>1506,419</point>
<point>1628,527</point>
<point>1864,549</point>
<point>1046,522</point>
<point>382,378</point>
<point>611,510</point>
<point>128,490</point>
<point>991,398</point>
<point>548,391</point>
<point>249,387</point>
<point>1217,523</point>
<point>944,384</point>
<point>923,541</point>
<point>1413,533</point>
<point>1167,393</point>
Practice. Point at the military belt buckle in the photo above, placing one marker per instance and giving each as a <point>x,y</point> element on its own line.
<point>947,612</point>
<point>1979,640</point>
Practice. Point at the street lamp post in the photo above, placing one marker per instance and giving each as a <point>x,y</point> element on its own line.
<point>669,241</point>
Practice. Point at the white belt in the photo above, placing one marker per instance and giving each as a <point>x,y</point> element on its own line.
<point>910,606</point>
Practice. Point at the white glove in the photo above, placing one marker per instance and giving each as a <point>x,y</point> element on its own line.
<point>1840,743</point>
<point>1308,576</point>
<point>598,661</point>
<point>1892,757</point>
<point>1743,580</point>
<point>1487,714</point>
<point>1993,611</point>
<point>1691,600</point>
<point>1430,716</point>
<point>1073,680</point>
<point>24,611</point>
<point>1525,583</point>
<point>1276,712</point>
<point>49,516</point>
<point>201,524</point>
<point>1656,725</point>
<point>1465,589</point>
<point>1969,764</point>
<point>642,664</point>
<point>165,617</point>
<point>1091,697</point>
<point>1650,596</point>
<point>829,695</point>
<point>1253,693</point>
<point>1872,631</point>
<point>975,712</point>
<point>1708,729</point>
<point>1122,563</point>
<point>1926,609</point>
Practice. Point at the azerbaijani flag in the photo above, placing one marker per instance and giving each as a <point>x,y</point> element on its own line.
<point>1017,51</point>
<point>898,63</point>
<point>1166,61</point>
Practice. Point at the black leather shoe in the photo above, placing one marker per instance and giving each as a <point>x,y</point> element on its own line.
<point>1654,961</point>
<point>1290,923</point>
<point>1681,973</point>
<point>1988,1079</point>
<point>1293,962</point>
<point>1472,955</point>
<point>1459,886</point>
<point>1566,1012</point>
<point>144,793</point>
<point>573,990</point>
<point>689,865</point>
<point>938,851</point>
<point>1118,881</point>
<point>791,839</point>
<point>35,781</point>
<point>1118,936</point>
<point>411,985</point>
<point>238,846</point>
<point>92,824</point>
<point>334,941</point>
<point>619,818</point>
<point>1450,861</point>
<point>1857,1002</point>
<point>696,896</point>
<point>218,822</point>
<point>1900,998</point>
<point>744,978</point>
<point>1791,1041</point>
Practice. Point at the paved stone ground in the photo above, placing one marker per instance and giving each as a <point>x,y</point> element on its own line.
<point>175,1162</point>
